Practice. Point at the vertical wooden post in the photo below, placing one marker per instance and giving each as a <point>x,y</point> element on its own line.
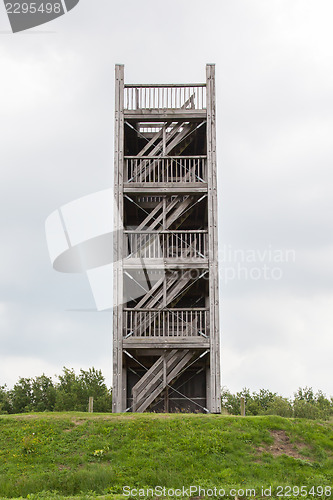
<point>215,382</point>
<point>166,400</point>
<point>242,406</point>
<point>118,375</point>
<point>91,405</point>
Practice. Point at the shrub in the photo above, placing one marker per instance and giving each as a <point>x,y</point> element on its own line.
<point>21,396</point>
<point>307,404</point>
<point>280,406</point>
<point>73,391</point>
<point>5,405</point>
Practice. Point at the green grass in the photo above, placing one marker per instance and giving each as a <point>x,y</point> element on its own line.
<point>79,454</point>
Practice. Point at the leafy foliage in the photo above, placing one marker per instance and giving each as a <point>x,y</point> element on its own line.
<point>21,396</point>
<point>306,403</point>
<point>5,406</point>
<point>71,393</point>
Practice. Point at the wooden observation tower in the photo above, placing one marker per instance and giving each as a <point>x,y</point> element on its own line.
<point>166,348</point>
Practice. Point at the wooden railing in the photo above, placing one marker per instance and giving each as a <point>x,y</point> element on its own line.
<point>177,96</point>
<point>167,244</point>
<point>166,323</point>
<point>165,169</point>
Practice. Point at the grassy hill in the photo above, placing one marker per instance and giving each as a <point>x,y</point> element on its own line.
<point>98,454</point>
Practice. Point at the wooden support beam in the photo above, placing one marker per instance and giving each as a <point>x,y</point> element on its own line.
<point>119,384</point>
<point>165,115</point>
<point>215,382</point>
<point>152,141</point>
<point>159,188</point>
<point>144,343</point>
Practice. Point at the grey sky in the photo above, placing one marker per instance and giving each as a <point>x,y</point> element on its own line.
<point>275,127</point>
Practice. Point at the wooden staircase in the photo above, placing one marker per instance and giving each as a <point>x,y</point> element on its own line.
<point>171,136</point>
<point>159,376</point>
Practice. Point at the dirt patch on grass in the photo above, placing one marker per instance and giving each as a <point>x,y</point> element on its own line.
<point>282,446</point>
<point>63,467</point>
<point>76,422</point>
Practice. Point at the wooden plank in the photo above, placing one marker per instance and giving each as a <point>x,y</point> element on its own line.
<point>152,215</point>
<point>165,115</point>
<point>187,157</point>
<point>162,85</point>
<point>150,293</point>
<point>147,380</point>
<point>167,343</point>
<point>167,264</point>
<point>175,310</point>
<point>149,144</point>
<point>150,381</point>
<point>165,231</point>
<point>215,383</point>
<point>181,363</point>
<point>184,205</point>
<point>118,379</point>
<point>157,188</point>
<point>157,219</point>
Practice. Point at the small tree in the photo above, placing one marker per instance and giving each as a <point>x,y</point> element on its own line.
<point>230,402</point>
<point>73,391</point>
<point>93,384</point>
<point>43,394</point>
<point>69,392</point>
<point>280,406</point>
<point>5,404</point>
<point>261,401</point>
<point>21,396</point>
<point>307,404</point>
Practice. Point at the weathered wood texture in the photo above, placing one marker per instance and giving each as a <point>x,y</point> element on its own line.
<point>215,382</point>
<point>165,226</point>
<point>118,383</point>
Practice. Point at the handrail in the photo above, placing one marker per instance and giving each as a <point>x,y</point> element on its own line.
<point>164,231</point>
<point>165,157</point>
<point>170,309</point>
<point>147,169</point>
<point>162,85</point>
<point>162,96</point>
<point>150,323</point>
<point>167,245</point>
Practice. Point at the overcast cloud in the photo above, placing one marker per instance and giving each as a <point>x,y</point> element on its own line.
<point>275,150</point>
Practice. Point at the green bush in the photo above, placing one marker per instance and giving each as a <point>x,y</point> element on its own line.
<point>21,396</point>
<point>5,406</point>
<point>71,393</point>
<point>306,403</point>
<point>256,403</point>
<point>280,406</point>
